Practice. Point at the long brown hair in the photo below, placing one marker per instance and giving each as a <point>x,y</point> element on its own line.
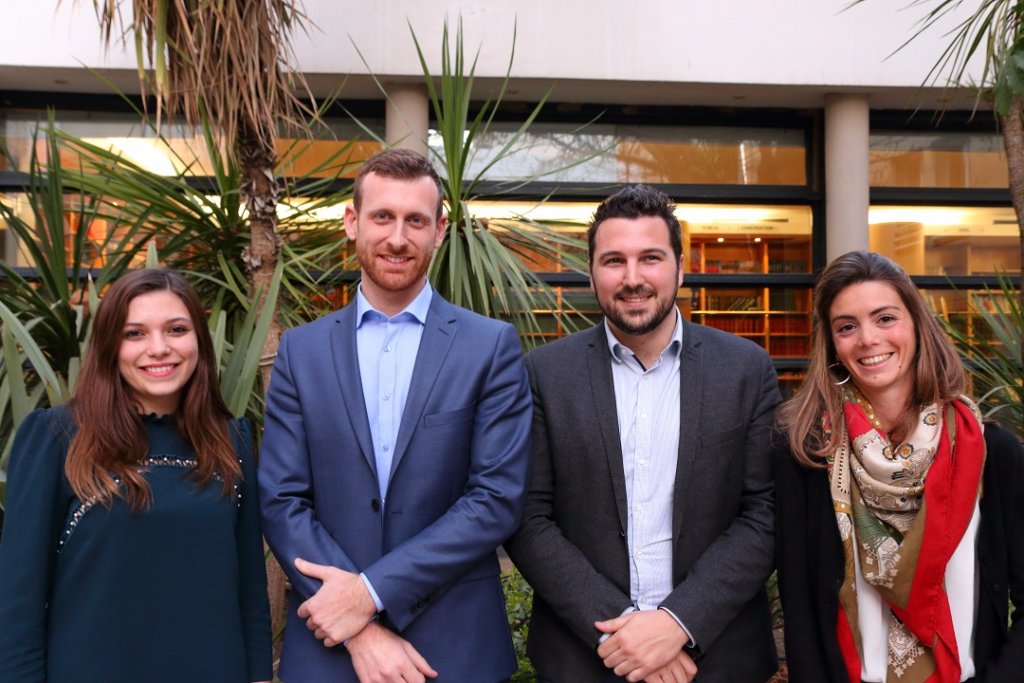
<point>111,439</point>
<point>939,373</point>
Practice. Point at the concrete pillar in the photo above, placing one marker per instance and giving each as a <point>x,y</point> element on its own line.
<point>407,117</point>
<point>846,174</point>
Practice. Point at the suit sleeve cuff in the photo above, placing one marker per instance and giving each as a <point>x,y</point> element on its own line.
<point>373,594</point>
<point>690,644</point>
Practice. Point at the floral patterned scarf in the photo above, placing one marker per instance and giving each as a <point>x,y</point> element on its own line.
<point>906,508</point>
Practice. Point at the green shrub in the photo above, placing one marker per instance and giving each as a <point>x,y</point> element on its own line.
<point>519,604</point>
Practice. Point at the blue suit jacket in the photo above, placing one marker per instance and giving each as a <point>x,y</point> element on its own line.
<point>456,488</point>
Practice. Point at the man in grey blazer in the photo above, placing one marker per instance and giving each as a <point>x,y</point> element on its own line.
<point>647,532</point>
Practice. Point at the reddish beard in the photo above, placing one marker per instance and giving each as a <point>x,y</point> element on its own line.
<point>391,278</point>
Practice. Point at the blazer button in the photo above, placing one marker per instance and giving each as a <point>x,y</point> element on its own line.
<point>375,505</point>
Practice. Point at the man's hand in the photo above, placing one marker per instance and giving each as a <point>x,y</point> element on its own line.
<point>680,670</point>
<point>380,656</point>
<point>340,609</point>
<point>641,643</point>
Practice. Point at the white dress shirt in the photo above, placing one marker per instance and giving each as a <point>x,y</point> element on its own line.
<point>647,406</point>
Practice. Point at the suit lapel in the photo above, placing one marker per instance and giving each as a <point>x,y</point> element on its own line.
<point>350,383</point>
<point>602,391</point>
<point>691,379</point>
<point>438,334</point>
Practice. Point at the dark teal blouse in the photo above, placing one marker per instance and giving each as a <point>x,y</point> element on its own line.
<point>175,593</point>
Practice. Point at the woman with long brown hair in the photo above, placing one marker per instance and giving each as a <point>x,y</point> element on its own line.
<point>899,513</point>
<point>131,548</point>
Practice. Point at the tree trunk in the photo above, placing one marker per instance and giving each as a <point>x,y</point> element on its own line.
<point>260,191</point>
<point>1013,142</point>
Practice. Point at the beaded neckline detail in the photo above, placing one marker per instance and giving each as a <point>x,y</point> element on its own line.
<point>150,461</point>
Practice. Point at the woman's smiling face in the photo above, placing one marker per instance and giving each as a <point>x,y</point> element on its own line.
<point>875,339</point>
<point>159,351</point>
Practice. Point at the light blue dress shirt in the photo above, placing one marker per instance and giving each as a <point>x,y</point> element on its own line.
<point>647,406</point>
<point>387,348</point>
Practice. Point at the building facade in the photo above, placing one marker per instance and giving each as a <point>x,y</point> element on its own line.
<point>788,132</point>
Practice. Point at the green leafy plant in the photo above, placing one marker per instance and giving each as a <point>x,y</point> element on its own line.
<point>991,350</point>
<point>519,605</point>
<point>45,323</point>
<point>58,239</point>
<point>225,67</point>
<point>204,231</point>
<point>28,380</point>
<point>486,264</point>
<point>994,30</point>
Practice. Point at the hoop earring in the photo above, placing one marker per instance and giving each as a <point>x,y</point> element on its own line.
<point>848,375</point>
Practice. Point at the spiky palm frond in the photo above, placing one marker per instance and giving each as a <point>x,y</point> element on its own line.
<point>483,264</point>
<point>992,25</point>
<point>486,265</point>
<point>231,61</point>
<point>201,231</point>
<point>991,351</point>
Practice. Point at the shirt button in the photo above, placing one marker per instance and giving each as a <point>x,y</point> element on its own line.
<point>387,396</point>
<point>642,461</point>
<point>387,447</point>
<point>387,348</point>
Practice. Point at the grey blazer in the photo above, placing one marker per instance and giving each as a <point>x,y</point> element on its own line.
<point>571,545</point>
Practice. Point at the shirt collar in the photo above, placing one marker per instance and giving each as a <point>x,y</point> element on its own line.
<point>620,352</point>
<point>417,308</point>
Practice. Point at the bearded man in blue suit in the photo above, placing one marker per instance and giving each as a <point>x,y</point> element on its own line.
<point>394,460</point>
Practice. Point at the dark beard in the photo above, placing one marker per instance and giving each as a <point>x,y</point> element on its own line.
<point>641,326</point>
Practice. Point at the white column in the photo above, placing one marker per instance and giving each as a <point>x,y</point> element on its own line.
<point>846,174</point>
<point>406,117</point>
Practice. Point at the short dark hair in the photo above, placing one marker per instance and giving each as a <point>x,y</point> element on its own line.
<point>400,164</point>
<point>635,201</point>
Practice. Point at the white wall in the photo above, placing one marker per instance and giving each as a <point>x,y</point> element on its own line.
<point>811,45</point>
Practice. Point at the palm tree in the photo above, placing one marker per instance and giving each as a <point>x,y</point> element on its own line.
<point>995,28</point>
<point>226,63</point>
<point>488,265</point>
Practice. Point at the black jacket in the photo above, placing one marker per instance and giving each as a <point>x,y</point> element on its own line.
<point>572,545</point>
<point>809,555</point>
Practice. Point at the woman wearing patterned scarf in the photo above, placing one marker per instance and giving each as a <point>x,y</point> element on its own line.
<point>899,515</point>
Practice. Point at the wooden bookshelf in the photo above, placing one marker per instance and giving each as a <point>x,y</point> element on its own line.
<point>778,319</point>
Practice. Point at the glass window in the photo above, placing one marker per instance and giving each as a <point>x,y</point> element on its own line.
<point>967,312</point>
<point>947,240</point>
<point>180,151</point>
<point>711,155</point>
<point>746,239</point>
<point>103,233</point>
<point>751,240</point>
<point>937,159</point>
<point>650,154</point>
<point>8,243</point>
